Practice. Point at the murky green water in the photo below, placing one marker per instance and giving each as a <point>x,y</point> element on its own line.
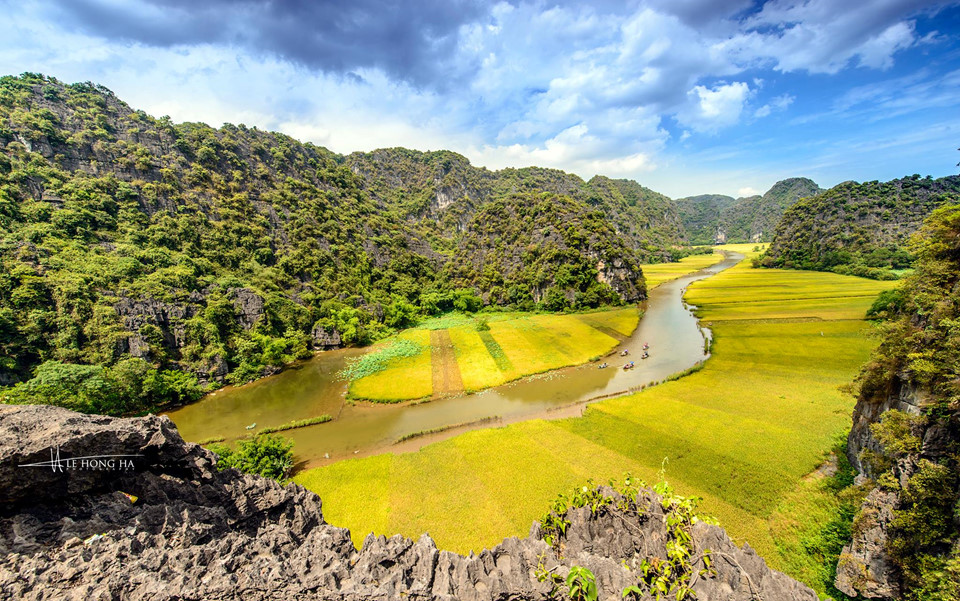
<point>312,389</point>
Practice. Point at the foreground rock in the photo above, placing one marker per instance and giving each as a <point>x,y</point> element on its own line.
<point>67,531</point>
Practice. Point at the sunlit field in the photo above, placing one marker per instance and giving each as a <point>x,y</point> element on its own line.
<point>513,346</point>
<point>741,433</point>
<point>657,273</point>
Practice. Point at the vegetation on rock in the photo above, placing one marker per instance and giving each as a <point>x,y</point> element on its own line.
<point>911,450</point>
<point>264,455</point>
<point>718,219</point>
<point>225,253</point>
<point>859,229</point>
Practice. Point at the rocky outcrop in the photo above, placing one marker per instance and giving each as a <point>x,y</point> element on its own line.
<point>69,530</point>
<point>248,305</point>
<point>325,339</point>
<point>902,396</point>
<point>168,317</point>
<point>865,568</point>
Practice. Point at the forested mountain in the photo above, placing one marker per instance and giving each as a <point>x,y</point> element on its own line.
<point>859,229</point>
<point>135,250</point>
<point>754,219</point>
<point>701,216</point>
<point>441,192</point>
<point>906,433</point>
<point>717,219</point>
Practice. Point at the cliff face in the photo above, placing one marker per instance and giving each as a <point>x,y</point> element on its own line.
<point>197,533</point>
<point>905,439</point>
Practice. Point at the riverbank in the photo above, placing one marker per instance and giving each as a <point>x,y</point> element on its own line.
<point>363,429</point>
<point>741,433</point>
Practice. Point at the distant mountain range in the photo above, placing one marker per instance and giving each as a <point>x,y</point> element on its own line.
<point>718,219</point>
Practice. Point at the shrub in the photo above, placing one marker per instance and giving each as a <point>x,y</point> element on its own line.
<point>264,455</point>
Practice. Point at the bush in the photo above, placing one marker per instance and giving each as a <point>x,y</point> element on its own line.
<point>264,455</point>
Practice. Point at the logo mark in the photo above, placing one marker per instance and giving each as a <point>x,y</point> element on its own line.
<point>95,463</point>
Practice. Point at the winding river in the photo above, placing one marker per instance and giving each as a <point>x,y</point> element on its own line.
<point>312,388</point>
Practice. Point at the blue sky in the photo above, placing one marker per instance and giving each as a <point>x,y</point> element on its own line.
<point>685,96</point>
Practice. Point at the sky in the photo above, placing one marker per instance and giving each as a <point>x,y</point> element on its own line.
<point>685,96</point>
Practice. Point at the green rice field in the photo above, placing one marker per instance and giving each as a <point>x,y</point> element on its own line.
<point>657,273</point>
<point>741,433</point>
<point>515,345</point>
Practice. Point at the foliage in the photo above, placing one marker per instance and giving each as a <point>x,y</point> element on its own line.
<point>920,349</point>
<point>581,584</point>
<point>859,229</point>
<point>205,251</point>
<point>888,305</point>
<point>264,455</point>
<point>299,423</point>
<point>131,385</point>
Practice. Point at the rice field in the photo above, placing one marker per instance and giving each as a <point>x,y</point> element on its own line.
<point>515,345</point>
<point>741,433</point>
<point>658,273</point>
<point>403,377</point>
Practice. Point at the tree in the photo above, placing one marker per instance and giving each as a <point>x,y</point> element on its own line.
<point>265,455</point>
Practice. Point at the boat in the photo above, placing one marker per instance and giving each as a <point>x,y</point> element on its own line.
<point>629,366</point>
<point>252,426</point>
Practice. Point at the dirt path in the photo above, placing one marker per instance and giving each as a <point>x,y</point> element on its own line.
<point>446,371</point>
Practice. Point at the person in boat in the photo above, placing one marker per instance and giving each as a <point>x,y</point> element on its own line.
<point>624,353</point>
<point>645,355</point>
<point>645,346</point>
<point>603,365</point>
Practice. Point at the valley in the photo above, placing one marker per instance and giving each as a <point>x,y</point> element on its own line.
<point>432,346</point>
<point>364,428</point>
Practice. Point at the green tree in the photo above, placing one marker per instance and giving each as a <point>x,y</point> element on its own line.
<point>267,455</point>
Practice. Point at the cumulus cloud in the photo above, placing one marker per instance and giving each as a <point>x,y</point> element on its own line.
<point>604,86</point>
<point>410,41</point>
<point>711,109</point>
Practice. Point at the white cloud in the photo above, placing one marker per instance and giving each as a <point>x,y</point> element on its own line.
<point>747,191</point>
<point>711,109</point>
<point>780,103</point>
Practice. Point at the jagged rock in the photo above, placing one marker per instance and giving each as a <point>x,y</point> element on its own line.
<point>198,533</point>
<point>865,568</point>
<point>324,339</point>
<point>249,306</point>
<point>169,317</point>
<point>215,369</point>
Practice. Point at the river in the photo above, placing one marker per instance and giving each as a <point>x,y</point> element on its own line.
<point>312,388</point>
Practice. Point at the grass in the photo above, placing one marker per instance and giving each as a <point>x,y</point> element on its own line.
<point>300,423</point>
<point>658,273</point>
<point>401,376</point>
<point>419,433</point>
<point>742,432</point>
<point>516,345</point>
